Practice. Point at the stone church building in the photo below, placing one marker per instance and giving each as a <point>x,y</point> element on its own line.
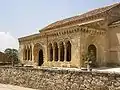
<point>63,43</point>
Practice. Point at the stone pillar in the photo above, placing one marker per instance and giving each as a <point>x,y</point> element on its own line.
<point>65,53</point>
<point>27,53</point>
<point>32,46</point>
<point>30,54</point>
<point>53,53</point>
<point>58,53</point>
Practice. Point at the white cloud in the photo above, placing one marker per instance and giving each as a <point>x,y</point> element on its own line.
<point>7,41</point>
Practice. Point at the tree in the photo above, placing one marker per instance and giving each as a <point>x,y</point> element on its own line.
<point>13,55</point>
<point>89,59</point>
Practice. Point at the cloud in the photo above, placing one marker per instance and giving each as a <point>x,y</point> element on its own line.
<point>7,41</point>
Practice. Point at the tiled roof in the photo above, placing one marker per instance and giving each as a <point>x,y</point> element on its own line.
<point>29,36</point>
<point>79,17</point>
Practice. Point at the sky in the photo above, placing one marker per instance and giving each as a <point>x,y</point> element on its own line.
<point>19,18</point>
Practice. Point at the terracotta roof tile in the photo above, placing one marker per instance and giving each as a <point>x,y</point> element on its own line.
<point>78,17</point>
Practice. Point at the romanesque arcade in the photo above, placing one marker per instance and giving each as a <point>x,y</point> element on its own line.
<point>56,52</point>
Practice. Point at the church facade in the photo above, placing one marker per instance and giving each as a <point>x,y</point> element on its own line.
<point>63,43</point>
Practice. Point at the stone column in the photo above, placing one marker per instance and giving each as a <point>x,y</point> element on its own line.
<point>30,54</point>
<point>58,53</point>
<point>53,53</point>
<point>27,53</point>
<point>65,52</point>
<point>32,46</point>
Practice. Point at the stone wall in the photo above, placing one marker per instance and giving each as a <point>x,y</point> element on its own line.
<point>114,41</point>
<point>56,79</point>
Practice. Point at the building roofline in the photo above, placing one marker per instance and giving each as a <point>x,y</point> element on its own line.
<point>82,17</point>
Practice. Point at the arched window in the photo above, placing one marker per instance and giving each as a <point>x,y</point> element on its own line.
<point>61,51</point>
<point>68,51</point>
<point>28,53</point>
<point>50,52</point>
<point>56,51</point>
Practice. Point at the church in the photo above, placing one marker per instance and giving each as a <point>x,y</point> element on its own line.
<point>63,43</point>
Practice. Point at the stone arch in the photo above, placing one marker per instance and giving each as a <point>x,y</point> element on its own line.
<point>68,51</point>
<point>40,61</point>
<point>38,54</point>
<point>28,53</point>
<point>50,50</point>
<point>55,51</point>
<point>61,46</point>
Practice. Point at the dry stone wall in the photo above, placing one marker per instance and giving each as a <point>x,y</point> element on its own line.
<point>54,79</point>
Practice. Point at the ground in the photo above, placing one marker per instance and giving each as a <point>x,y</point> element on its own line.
<point>106,69</point>
<point>101,69</point>
<point>11,87</point>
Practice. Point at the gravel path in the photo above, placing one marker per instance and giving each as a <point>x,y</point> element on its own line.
<point>11,87</point>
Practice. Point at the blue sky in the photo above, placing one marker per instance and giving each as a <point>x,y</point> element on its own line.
<point>23,17</point>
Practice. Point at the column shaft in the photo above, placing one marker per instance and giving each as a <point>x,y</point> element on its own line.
<point>58,53</point>
<point>32,53</point>
<point>53,54</point>
<point>65,53</point>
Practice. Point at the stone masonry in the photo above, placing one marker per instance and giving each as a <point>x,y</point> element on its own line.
<point>57,79</point>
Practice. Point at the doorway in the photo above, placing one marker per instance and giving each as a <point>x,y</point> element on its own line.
<point>40,61</point>
<point>92,53</point>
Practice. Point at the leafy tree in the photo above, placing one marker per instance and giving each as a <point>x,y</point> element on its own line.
<point>89,58</point>
<point>13,54</point>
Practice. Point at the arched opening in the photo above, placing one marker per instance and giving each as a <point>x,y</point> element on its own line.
<point>25,54</point>
<point>92,54</point>
<point>50,52</point>
<point>28,53</point>
<point>68,51</point>
<point>38,52</point>
<point>40,61</point>
<point>56,51</point>
<point>61,51</point>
